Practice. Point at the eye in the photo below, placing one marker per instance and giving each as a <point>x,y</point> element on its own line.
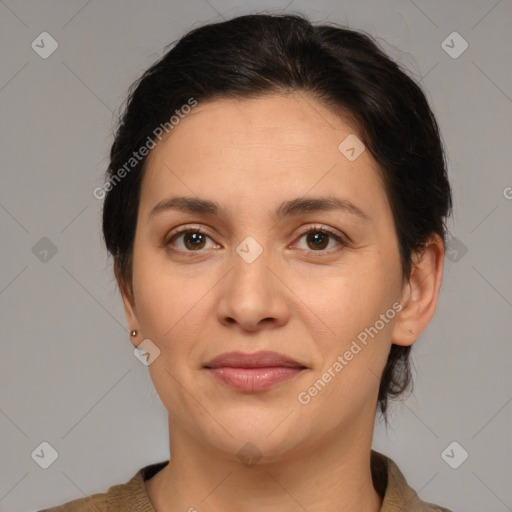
<point>317,239</point>
<point>193,239</point>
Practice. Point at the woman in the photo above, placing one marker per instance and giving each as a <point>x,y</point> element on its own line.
<point>275,206</point>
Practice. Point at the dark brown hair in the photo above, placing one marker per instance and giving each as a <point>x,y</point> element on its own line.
<point>253,55</point>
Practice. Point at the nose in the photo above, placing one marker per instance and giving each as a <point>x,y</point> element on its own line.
<point>252,295</point>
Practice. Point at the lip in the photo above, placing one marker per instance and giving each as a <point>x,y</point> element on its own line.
<point>262,359</point>
<point>253,372</point>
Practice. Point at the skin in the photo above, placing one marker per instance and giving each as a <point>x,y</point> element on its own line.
<point>294,299</point>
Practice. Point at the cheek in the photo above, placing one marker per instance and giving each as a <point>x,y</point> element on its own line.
<point>346,300</point>
<point>357,307</point>
<point>171,315</point>
<point>160,300</point>
<point>352,356</point>
<point>172,310</point>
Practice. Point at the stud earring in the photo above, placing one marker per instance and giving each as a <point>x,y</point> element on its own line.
<point>133,333</point>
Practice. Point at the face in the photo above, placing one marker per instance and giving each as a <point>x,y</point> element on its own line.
<point>274,269</point>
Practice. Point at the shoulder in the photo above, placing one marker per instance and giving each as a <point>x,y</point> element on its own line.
<point>131,495</point>
<point>397,494</point>
<point>93,503</point>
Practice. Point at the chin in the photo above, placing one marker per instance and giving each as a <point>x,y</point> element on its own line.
<point>258,435</point>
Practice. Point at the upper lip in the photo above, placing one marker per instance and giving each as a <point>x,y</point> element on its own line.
<point>263,359</point>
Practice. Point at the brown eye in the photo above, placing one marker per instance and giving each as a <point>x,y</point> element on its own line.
<point>193,240</point>
<point>318,239</point>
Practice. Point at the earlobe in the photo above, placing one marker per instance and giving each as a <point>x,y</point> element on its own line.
<point>421,293</point>
<point>128,305</point>
<point>131,317</point>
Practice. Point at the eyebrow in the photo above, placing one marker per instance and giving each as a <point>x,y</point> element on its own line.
<point>285,209</point>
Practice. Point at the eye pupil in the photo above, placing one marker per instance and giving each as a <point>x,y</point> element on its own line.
<point>316,236</point>
<point>196,238</point>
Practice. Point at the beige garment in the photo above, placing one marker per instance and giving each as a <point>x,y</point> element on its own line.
<point>132,496</point>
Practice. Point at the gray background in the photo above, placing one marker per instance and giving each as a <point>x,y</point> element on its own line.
<point>67,370</point>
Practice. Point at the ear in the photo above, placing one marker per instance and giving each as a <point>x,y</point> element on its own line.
<point>130,310</point>
<point>420,293</point>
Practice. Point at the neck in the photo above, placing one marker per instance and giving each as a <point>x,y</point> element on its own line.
<point>334,476</point>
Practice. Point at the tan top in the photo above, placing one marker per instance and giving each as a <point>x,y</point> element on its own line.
<point>132,496</point>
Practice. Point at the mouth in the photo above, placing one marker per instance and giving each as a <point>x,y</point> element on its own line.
<point>255,372</point>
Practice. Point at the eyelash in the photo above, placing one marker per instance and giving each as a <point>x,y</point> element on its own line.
<point>315,229</point>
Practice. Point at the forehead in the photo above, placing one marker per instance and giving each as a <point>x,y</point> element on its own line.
<point>279,122</point>
<point>257,150</point>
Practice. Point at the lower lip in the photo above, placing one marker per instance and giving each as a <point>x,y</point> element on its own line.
<point>254,379</point>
